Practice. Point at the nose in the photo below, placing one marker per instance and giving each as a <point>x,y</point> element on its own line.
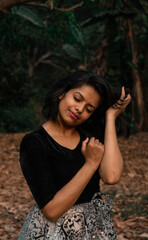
<point>80,108</point>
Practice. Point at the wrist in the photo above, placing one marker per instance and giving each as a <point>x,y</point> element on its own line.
<point>110,117</point>
<point>91,166</point>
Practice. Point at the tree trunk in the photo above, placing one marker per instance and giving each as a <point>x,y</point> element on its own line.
<point>145,90</point>
<point>138,107</point>
<point>6,4</point>
<point>99,64</point>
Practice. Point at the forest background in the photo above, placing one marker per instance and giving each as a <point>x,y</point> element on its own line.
<point>42,40</point>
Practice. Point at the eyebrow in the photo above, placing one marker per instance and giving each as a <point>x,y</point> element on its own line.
<point>83,99</point>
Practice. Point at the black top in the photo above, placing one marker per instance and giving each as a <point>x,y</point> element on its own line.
<point>48,166</point>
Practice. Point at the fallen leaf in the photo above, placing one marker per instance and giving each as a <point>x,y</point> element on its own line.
<point>144,235</point>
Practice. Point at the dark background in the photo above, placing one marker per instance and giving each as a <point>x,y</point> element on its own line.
<point>41,41</point>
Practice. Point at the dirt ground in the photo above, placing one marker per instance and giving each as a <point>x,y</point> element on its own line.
<point>130,195</point>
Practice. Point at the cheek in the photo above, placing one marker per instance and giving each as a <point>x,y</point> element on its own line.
<point>86,116</point>
<point>63,105</point>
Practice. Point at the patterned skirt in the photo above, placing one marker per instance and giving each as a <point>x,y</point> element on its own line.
<point>85,221</point>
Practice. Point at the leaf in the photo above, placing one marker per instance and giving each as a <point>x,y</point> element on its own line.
<point>137,5</point>
<point>28,14</point>
<point>132,65</point>
<point>107,3</point>
<point>71,51</point>
<point>144,235</point>
<point>80,38</point>
<point>105,15</point>
<point>9,229</point>
<point>118,39</point>
<point>78,34</point>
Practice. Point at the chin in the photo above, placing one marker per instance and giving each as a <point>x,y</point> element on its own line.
<point>72,123</point>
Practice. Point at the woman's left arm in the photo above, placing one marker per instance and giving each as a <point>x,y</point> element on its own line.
<point>111,166</point>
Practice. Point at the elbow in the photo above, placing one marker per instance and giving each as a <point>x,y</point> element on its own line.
<point>111,180</point>
<point>53,218</point>
<point>50,212</point>
<point>50,216</point>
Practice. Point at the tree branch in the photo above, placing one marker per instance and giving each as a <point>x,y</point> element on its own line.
<point>104,15</point>
<point>69,9</point>
<point>6,4</point>
<point>36,4</point>
<point>42,58</point>
<point>52,64</point>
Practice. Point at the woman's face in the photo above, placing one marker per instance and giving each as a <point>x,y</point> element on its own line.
<point>77,105</point>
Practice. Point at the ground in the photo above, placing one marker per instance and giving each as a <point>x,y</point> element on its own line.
<point>130,196</point>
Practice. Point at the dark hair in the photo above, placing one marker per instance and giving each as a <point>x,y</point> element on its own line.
<point>95,125</point>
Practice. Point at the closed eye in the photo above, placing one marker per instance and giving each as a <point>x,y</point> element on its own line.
<point>77,99</point>
<point>89,111</point>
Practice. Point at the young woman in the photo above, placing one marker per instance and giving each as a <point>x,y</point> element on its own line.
<point>64,159</point>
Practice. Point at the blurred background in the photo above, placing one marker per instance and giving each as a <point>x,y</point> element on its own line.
<point>44,40</point>
<point>41,41</point>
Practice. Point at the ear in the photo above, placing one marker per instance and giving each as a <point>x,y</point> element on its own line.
<point>61,96</point>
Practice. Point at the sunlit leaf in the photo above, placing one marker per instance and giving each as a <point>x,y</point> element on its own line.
<point>132,65</point>
<point>71,51</point>
<point>80,38</point>
<point>28,14</point>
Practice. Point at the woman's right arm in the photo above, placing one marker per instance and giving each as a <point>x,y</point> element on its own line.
<point>35,167</point>
<point>66,197</point>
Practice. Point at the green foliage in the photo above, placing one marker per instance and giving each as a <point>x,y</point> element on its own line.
<point>70,39</point>
<point>28,14</point>
<point>15,118</point>
<point>71,51</point>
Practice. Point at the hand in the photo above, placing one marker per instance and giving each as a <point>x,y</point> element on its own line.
<point>119,107</point>
<point>92,151</point>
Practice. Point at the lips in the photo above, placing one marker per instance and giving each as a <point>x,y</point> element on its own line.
<point>73,115</point>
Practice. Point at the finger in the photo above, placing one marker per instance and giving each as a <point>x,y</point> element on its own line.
<point>128,98</point>
<point>116,106</point>
<point>92,140</point>
<point>122,103</point>
<point>101,145</point>
<point>86,140</point>
<point>97,141</point>
<point>84,144</point>
<point>122,94</point>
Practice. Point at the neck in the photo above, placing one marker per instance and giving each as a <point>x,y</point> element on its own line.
<point>57,126</point>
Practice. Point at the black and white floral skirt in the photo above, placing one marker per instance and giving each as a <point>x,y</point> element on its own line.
<point>83,221</point>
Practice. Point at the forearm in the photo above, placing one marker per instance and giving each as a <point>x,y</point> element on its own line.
<point>68,195</point>
<point>112,162</point>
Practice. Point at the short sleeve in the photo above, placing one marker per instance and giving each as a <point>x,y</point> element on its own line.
<point>35,164</point>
